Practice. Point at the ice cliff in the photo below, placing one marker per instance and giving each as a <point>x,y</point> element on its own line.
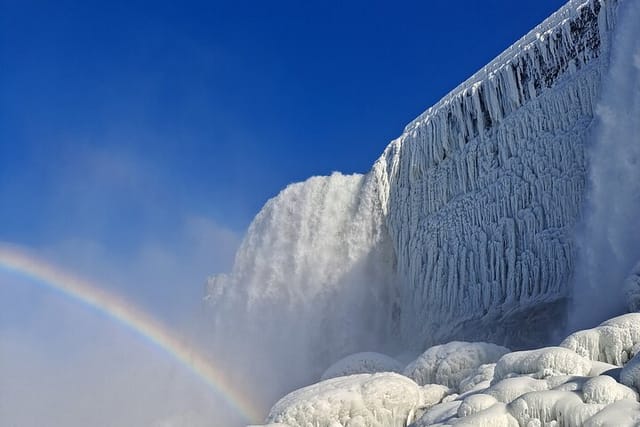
<point>463,229</point>
<point>485,187</point>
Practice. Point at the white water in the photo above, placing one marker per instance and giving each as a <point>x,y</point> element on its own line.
<point>312,282</point>
<point>609,240</point>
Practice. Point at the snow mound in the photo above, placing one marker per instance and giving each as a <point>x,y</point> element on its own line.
<point>362,363</point>
<point>541,363</point>
<point>372,400</point>
<point>612,341</point>
<point>449,364</point>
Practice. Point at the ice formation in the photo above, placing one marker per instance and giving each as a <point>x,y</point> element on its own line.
<point>486,186</point>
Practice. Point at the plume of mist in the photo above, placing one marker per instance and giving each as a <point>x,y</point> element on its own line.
<point>313,281</point>
<point>608,241</point>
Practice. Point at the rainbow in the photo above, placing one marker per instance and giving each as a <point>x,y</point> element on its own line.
<point>19,261</point>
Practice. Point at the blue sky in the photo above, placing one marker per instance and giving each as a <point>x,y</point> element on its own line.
<point>219,105</point>
<point>139,139</point>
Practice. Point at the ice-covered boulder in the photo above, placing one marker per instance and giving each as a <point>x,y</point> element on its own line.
<point>434,394</point>
<point>440,413</point>
<point>372,400</point>
<point>449,364</point>
<point>623,413</point>
<point>475,403</point>
<point>496,415</point>
<point>541,363</point>
<point>604,389</point>
<point>552,407</point>
<point>509,389</point>
<point>612,341</point>
<point>362,363</point>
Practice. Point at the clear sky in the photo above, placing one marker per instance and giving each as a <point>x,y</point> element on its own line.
<point>139,139</point>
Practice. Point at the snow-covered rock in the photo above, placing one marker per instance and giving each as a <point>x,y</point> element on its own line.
<point>541,363</point>
<point>372,400</point>
<point>362,363</point>
<point>604,389</point>
<point>448,364</point>
<point>565,408</point>
<point>623,413</point>
<point>440,413</point>
<point>434,394</point>
<point>509,389</point>
<point>611,342</point>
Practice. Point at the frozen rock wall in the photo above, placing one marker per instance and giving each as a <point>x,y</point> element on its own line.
<point>483,190</point>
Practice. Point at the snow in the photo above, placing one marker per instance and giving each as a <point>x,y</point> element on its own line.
<point>362,363</point>
<point>448,364</point>
<point>373,400</point>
